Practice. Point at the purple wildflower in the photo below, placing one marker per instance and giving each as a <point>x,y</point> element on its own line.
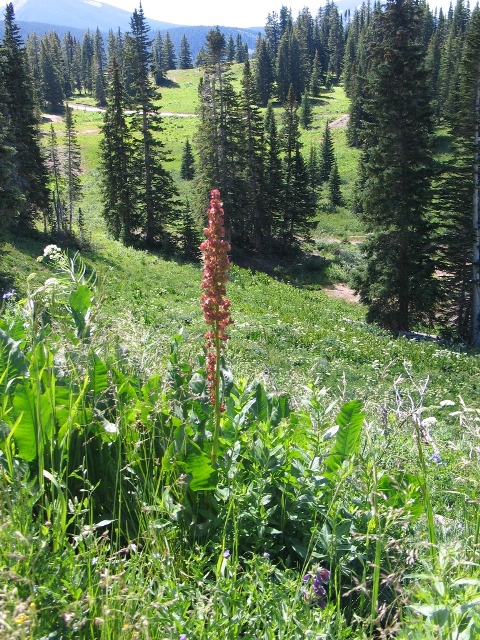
<point>226,553</point>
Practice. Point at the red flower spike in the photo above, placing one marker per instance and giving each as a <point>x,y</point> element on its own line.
<point>216,308</point>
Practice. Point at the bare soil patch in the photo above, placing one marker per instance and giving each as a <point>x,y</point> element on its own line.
<point>342,292</point>
<point>340,123</point>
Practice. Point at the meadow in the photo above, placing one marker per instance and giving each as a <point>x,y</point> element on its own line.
<point>343,503</point>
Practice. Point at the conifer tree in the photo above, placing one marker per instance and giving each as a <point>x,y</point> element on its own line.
<point>116,151</point>
<point>297,199</point>
<point>327,155</point>
<point>397,283</point>
<point>11,199</point>
<point>263,72</point>
<point>254,210</point>
<point>159,63</point>
<point>457,198</point>
<point>57,189</point>
<point>230,52</point>
<point>187,169</point>
<point>334,188</point>
<point>52,79</point>
<point>306,115</point>
<point>315,76</point>
<point>156,184</point>
<point>72,164</point>
<point>273,176</point>
<point>87,62</point>
<point>30,171</point>
<point>99,63</point>
<point>185,54</point>
<point>169,55</point>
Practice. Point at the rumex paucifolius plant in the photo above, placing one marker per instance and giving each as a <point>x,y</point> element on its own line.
<point>216,307</point>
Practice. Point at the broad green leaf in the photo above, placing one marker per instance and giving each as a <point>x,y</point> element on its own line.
<point>98,376</point>
<point>80,304</point>
<point>12,356</point>
<point>437,613</point>
<point>23,414</point>
<point>347,442</point>
<point>204,476</point>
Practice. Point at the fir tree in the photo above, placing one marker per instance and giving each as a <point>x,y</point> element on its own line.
<point>57,190</point>
<point>72,164</point>
<point>190,236</point>
<point>397,283</point>
<point>169,55</point>
<point>156,184</point>
<point>230,53</point>
<point>334,189</point>
<point>185,54</point>
<point>116,151</point>
<point>30,171</point>
<point>263,72</point>
<point>327,155</point>
<point>273,176</point>
<point>187,169</point>
<point>99,63</point>
<point>159,64</point>
<point>87,62</point>
<point>457,198</point>
<point>306,115</point>
<point>52,79</point>
<point>315,77</point>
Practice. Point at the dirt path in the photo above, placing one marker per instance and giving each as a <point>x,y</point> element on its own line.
<point>86,107</point>
<point>342,292</point>
<point>341,122</point>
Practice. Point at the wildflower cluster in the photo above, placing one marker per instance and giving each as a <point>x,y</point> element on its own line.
<point>317,595</point>
<point>216,308</point>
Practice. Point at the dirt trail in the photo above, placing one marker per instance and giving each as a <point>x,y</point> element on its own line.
<point>340,123</point>
<point>86,107</point>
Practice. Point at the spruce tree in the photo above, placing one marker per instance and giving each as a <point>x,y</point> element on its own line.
<point>334,188</point>
<point>169,55</point>
<point>156,184</point>
<point>185,54</point>
<point>187,168</point>
<point>159,64</point>
<point>52,80</point>
<point>99,63</point>
<point>397,284</point>
<point>57,189</point>
<point>306,116</point>
<point>327,155</point>
<point>457,199</point>
<point>263,72</point>
<point>30,171</point>
<point>254,210</point>
<point>87,62</point>
<point>315,77</point>
<point>297,200</point>
<point>11,199</point>
<point>116,150</point>
<point>273,176</point>
<point>71,164</point>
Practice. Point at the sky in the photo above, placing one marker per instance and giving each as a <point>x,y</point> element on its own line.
<point>227,13</point>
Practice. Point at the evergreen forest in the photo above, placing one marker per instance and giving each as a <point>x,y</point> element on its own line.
<point>240,329</point>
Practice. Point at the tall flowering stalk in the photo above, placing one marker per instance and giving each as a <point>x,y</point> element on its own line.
<point>216,307</point>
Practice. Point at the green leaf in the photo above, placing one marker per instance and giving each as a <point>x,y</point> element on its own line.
<point>204,476</point>
<point>438,614</point>
<point>98,376</point>
<point>23,432</point>
<point>80,304</point>
<point>12,356</point>
<point>350,421</point>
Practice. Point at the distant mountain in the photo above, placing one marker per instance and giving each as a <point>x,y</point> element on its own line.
<point>76,16</point>
<point>80,14</point>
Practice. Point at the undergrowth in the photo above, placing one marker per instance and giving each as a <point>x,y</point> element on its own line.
<point>322,516</point>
